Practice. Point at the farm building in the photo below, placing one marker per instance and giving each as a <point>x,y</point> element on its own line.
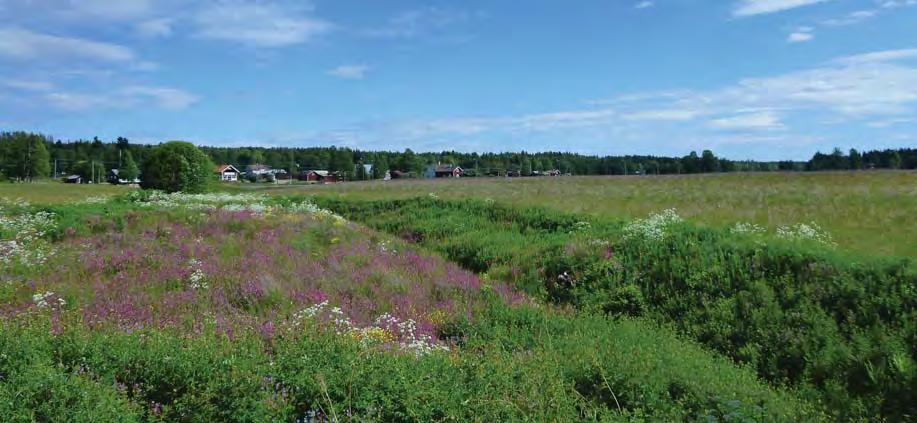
<point>322,176</point>
<point>228,173</point>
<point>73,179</point>
<point>261,170</point>
<point>116,179</point>
<point>443,171</point>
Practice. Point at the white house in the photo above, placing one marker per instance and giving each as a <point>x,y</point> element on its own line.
<point>228,173</point>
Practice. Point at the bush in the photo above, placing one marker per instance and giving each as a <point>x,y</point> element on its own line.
<point>177,166</point>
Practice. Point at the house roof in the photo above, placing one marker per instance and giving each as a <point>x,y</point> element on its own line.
<point>445,168</point>
<point>319,172</point>
<point>224,168</point>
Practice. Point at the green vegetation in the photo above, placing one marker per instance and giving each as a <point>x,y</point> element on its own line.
<point>177,166</point>
<point>23,156</point>
<point>53,192</point>
<point>157,307</point>
<point>873,213</point>
<point>841,328</point>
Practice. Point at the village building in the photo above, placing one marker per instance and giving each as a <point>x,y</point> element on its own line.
<point>443,171</point>
<point>319,176</point>
<point>116,179</point>
<point>228,173</point>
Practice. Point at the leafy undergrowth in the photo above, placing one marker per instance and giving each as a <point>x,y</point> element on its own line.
<point>237,308</point>
<point>791,305</point>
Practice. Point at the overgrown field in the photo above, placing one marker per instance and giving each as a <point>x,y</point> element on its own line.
<point>218,307</point>
<point>872,212</point>
<point>840,328</point>
<point>52,192</point>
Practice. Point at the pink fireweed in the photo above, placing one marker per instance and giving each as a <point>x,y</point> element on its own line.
<point>225,271</point>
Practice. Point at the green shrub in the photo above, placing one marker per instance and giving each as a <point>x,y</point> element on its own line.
<point>840,327</point>
<point>177,166</point>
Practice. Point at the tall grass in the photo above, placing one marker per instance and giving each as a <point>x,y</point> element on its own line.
<point>839,326</point>
<point>873,212</point>
<point>243,308</point>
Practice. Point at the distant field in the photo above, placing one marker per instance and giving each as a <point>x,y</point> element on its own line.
<point>57,192</point>
<point>872,212</point>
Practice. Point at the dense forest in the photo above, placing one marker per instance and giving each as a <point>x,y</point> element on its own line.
<point>24,156</point>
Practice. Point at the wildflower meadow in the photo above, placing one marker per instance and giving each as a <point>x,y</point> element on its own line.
<point>149,306</point>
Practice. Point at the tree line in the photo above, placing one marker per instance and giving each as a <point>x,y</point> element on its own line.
<point>25,156</point>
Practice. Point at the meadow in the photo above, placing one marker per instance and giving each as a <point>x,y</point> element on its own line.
<point>872,212</point>
<point>473,299</point>
<point>217,307</point>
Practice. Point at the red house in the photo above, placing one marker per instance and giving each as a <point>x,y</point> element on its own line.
<point>320,176</point>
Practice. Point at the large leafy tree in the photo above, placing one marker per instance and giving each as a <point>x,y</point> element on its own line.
<point>24,156</point>
<point>177,166</point>
<point>129,169</point>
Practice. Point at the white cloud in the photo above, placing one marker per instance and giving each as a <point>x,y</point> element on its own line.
<point>878,57</point>
<point>166,98</point>
<point>413,23</point>
<point>663,115</point>
<point>154,28</point>
<point>115,10</point>
<point>21,44</point>
<point>760,7</point>
<point>799,37</point>
<point>763,120</point>
<point>129,97</point>
<point>644,4</point>
<point>857,88</point>
<point>259,24</point>
<point>349,71</point>
<point>28,85</point>
<point>851,18</point>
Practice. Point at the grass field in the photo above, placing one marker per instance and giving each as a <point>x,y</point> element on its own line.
<point>867,212</point>
<point>50,192</point>
<point>248,308</point>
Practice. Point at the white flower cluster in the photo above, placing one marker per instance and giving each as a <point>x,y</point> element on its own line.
<point>581,226</point>
<point>747,228</point>
<point>386,328</point>
<point>806,231</point>
<point>385,246</point>
<point>654,228</point>
<point>199,201</point>
<point>21,238</point>
<point>407,333</point>
<point>197,279</point>
<point>48,299</point>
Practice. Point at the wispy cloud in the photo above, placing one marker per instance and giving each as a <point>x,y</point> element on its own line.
<point>417,22</point>
<point>755,121</point>
<point>128,97</point>
<point>801,35</point>
<point>349,71</point>
<point>871,87</point>
<point>760,7</point>
<point>154,28</point>
<point>259,24</point>
<point>645,4</point>
<point>28,85</point>
<point>25,45</point>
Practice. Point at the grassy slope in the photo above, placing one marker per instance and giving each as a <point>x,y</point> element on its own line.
<point>868,212</point>
<point>798,313</point>
<point>507,364</point>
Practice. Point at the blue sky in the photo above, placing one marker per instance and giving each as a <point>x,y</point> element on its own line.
<point>763,79</point>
